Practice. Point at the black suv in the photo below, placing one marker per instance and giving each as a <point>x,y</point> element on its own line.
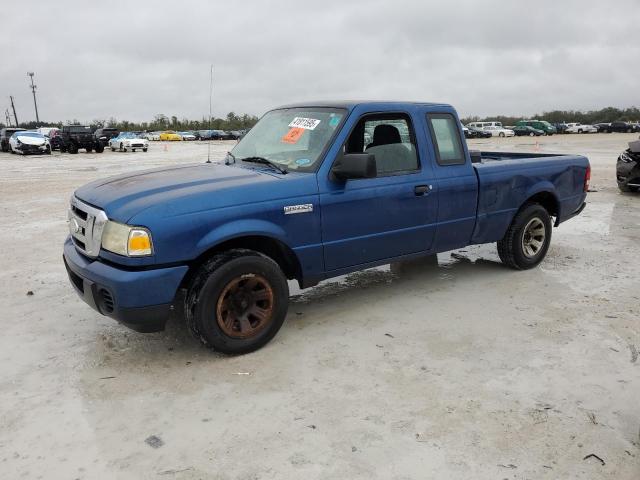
<point>75,137</point>
<point>5,135</point>
<point>105,134</point>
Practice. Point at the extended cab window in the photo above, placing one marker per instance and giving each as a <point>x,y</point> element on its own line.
<point>446,139</point>
<point>390,138</point>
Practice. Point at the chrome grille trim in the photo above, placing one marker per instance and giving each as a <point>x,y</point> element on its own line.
<point>87,232</point>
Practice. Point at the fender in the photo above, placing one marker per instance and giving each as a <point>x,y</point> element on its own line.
<point>240,228</point>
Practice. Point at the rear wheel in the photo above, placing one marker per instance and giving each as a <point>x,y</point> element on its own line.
<point>532,134</point>
<point>144,149</point>
<point>73,148</point>
<point>527,240</point>
<point>237,301</point>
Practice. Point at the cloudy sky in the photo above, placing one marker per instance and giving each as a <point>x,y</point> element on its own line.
<point>132,60</point>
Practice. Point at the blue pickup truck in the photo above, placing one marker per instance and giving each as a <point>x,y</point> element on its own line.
<point>313,191</point>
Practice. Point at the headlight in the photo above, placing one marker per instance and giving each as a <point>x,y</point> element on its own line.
<point>126,240</point>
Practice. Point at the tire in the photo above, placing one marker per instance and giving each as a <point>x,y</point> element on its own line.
<point>88,149</point>
<point>580,131</point>
<point>228,275</point>
<point>99,148</point>
<point>501,134</point>
<point>122,148</point>
<point>517,249</point>
<point>532,134</point>
<point>144,149</point>
<point>133,149</point>
<point>48,151</point>
<point>73,148</point>
<point>629,130</point>
<point>113,149</point>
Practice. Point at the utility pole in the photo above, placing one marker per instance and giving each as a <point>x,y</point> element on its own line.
<point>14,110</point>
<point>7,116</point>
<point>33,89</point>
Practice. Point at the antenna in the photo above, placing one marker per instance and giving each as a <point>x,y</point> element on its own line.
<point>210,103</point>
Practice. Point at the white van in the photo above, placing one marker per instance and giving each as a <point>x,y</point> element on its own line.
<point>481,125</point>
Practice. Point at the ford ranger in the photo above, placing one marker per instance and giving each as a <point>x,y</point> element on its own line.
<point>313,191</point>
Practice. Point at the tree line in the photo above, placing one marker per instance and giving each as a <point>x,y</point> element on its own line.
<point>605,115</point>
<point>160,122</point>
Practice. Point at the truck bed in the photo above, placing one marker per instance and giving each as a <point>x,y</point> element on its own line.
<point>506,180</point>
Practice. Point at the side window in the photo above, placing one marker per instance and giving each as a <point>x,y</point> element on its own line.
<point>446,139</point>
<point>390,138</point>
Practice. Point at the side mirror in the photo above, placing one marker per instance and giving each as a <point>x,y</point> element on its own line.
<point>355,165</point>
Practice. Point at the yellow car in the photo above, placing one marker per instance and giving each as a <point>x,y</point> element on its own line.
<point>170,136</point>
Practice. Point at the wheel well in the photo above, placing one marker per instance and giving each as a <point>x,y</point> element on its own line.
<point>272,248</point>
<point>548,201</point>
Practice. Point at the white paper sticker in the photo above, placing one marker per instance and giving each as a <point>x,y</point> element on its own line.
<point>306,123</point>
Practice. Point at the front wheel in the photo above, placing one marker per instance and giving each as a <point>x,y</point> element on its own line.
<point>501,134</point>
<point>527,240</point>
<point>144,149</point>
<point>532,134</point>
<point>237,301</point>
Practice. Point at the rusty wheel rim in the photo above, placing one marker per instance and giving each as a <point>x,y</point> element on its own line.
<point>245,306</point>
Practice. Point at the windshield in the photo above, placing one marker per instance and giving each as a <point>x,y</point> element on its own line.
<point>293,138</point>
<point>29,134</point>
<point>128,135</point>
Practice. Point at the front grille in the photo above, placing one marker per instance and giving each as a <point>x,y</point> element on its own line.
<point>136,145</point>
<point>86,224</point>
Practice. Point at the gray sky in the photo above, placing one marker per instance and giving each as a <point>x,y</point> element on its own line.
<point>132,60</point>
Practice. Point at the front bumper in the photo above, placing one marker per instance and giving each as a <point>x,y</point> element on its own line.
<point>140,299</point>
<point>27,149</point>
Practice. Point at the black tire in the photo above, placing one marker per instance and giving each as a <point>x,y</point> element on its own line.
<point>133,149</point>
<point>122,147</point>
<point>100,148</point>
<point>501,134</point>
<point>532,134</point>
<point>113,149</point>
<point>213,282</point>
<point>48,150</point>
<point>511,248</point>
<point>73,148</point>
<point>144,149</point>
<point>5,148</point>
<point>89,149</point>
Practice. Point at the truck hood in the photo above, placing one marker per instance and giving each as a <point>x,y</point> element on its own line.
<point>179,190</point>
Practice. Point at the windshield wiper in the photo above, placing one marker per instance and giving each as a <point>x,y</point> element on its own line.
<point>265,161</point>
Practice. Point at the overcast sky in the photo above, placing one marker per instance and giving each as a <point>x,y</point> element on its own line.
<point>134,59</point>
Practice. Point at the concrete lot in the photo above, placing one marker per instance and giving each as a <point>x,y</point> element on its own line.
<point>464,370</point>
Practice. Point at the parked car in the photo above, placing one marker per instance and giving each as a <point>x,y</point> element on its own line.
<point>543,125</point>
<point>152,136</point>
<point>5,135</point>
<point>129,141</point>
<point>105,134</point>
<point>29,142</point>
<point>602,127</point>
<point>581,128</point>
<point>303,197</point>
<point>621,127</point>
<point>521,130</point>
<point>75,137</point>
<point>187,136</point>
<point>470,132</point>
<point>170,136</point>
<point>47,131</point>
<point>628,168</point>
<point>236,134</point>
<point>560,127</point>
<point>482,125</point>
<point>499,131</point>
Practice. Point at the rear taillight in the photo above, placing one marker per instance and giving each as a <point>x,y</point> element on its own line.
<point>587,178</point>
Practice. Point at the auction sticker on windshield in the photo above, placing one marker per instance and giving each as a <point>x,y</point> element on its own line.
<point>293,135</point>
<point>306,123</point>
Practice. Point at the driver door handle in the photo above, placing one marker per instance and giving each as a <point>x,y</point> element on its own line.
<point>420,190</point>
